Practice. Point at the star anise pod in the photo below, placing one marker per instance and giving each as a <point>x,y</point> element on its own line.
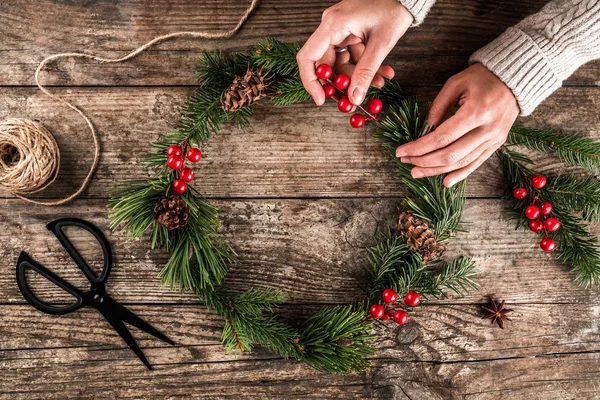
<point>496,312</point>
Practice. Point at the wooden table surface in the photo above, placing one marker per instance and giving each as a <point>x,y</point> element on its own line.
<point>300,193</point>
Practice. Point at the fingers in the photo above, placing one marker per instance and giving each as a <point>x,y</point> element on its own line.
<point>460,174</point>
<point>367,66</point>
<point>318,46</point>
<point>421,172</point>
<point>343,65</point>
<point>448,132</point>
<point>457,152</point>
<point>443,103</point>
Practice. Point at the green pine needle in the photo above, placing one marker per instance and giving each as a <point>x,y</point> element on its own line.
<point>570,149</point>
<point>337,340</point>
<point>573,203</point>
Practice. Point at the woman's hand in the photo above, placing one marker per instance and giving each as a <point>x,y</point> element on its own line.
<point>369,29</point>
<point>464,141</point>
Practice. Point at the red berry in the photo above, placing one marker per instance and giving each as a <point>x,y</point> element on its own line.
<point>374,106</point>
<point>186,174</point>
<point>552,224</point>
<point>538,181</point>
<point>175,162</point>
<point>357,120</point>
<point>386,317</point>
<point>400,317</point>
<point>548,245</point>
<point>174,150</point>
<point>344,105</point>
<point>412,299</point>
<point>194,154</point>
<point>179,186</point>
<point>377,311</point>
<point>389,295</point>
<point>329,90</point>
<point>341,81</point>
<point>324,71</point>
<point>546,208</point>
<point>536,225</point>
<point>520,193</point>
<point>532,212</point>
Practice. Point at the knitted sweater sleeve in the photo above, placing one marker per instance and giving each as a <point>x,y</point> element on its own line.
<point>534,57</point>
<point>418,9</point>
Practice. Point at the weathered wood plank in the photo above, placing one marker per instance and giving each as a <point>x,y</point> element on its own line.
<point>313,250</point>
<point>456,27</point>
<point>444,351</point>
<point>278,155</point>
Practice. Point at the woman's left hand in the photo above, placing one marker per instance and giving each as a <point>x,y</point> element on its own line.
<point>459,145</point>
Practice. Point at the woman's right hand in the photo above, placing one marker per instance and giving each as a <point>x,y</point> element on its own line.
<point>369,29</point>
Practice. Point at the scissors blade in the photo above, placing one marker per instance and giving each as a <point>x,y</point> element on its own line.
<point>128,316</point>
<point>122,330</point>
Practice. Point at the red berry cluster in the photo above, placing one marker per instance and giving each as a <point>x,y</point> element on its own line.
<point>176,162</point>
<point>339,84</point>
<point>539,212</point>
<point>389,311</point>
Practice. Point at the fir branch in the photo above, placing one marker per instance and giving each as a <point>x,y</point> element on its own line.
<point>132,204</point>
<point>576,245</point>
<point>570,149</point>
<point>578,195</point>
<point>249,322</point>
<point>203,115</point>
<point>428,197</point>
<point>456,275</point>
<point>279,58</point>
<point>218,70</point>
<point>289,91</point>
<point>337,340</point>
<point>394,265</point>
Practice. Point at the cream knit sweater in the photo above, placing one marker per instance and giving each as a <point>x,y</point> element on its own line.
<point>534,57</point>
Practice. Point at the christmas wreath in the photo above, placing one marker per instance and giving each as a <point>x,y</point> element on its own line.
<point>407,259</point>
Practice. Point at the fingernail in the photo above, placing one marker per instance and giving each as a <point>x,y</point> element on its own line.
<point>404,160</point>
<point>358,95</point>
<point>400,153</point>
<point>450,182</point>
<point>417,173</point>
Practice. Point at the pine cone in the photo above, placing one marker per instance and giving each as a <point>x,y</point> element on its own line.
<point>419,236</point>
<point>172,212</point>
<point>244,91</point>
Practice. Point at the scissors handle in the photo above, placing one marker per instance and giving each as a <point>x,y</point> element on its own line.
<point>24,262</point>
<point>57,226</point>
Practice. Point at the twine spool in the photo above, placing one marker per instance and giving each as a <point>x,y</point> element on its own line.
<point>29,154</point>
<point>29,157</point>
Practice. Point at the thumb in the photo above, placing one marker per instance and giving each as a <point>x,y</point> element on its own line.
<point>366,68</point>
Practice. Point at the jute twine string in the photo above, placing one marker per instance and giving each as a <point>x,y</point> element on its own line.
<point>29,155</point>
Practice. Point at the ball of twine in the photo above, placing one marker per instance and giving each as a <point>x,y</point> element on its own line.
<point>29,156</point>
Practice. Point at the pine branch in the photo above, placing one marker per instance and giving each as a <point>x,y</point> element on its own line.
<point>248,322</point>
<point>394,265</point>
<point>218,70</point>
<point>428,197</point>
<point>570,149</point>
<point>337,340</point>
<point>578,195</point>
<point>132,205</point>
<point>576,245</point>
<point>277,57</point>
<point>289,91</point>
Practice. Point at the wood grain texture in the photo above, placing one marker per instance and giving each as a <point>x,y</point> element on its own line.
<point>443,351</point>
<point>278,155</point>
<point>301,194</point>
<point>298,246</point>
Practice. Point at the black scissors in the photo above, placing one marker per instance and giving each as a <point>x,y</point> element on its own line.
<point>96,297</point>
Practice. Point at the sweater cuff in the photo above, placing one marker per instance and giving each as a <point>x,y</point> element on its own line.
<point>418,9</point>
<point>519,62</point>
